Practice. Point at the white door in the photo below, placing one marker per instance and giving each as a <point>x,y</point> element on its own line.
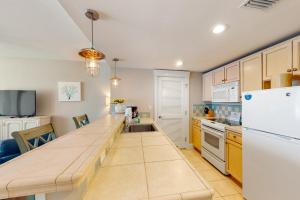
<point>171,104</point>
<point>10,126</point>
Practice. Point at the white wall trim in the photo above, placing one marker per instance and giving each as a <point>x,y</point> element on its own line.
<point>171,73</point>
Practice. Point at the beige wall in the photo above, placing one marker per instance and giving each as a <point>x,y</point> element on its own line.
<point>137,87</point>
<point>195,94</point>
<point>43,75</point>
<point>195,89</point>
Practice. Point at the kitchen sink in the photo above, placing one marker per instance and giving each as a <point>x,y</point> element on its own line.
<point>141,128</point>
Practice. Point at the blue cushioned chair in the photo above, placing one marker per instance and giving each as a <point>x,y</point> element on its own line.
<point>8,150</point>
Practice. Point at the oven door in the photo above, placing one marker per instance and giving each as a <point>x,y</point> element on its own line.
<point>213,141</point>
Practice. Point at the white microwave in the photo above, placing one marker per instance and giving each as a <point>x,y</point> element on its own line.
<point>229,92</point>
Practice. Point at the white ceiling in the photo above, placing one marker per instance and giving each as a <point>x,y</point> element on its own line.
<point>155,33</point>
<point>39,29</point>
<point>145,34</point>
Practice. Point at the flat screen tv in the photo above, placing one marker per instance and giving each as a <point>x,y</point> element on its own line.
<point>17,103</point>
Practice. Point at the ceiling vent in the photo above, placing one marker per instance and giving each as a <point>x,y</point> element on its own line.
<point>259,4</point>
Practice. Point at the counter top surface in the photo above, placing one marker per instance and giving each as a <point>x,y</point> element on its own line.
<point>236,129</point>
<point>147,165</point>
<point>138,166</point>
<point>57,165</point>
<point>202,117</point>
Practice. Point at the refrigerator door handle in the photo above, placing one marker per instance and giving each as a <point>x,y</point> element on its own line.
<point>283,137</point>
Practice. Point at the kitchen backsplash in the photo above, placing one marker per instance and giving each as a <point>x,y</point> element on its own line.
<point>221,110</point>
<point>198,110</point>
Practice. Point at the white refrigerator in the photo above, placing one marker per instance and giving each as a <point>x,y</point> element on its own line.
<point>271,144</point>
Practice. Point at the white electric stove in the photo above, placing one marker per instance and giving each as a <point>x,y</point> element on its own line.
<point>213,141</point>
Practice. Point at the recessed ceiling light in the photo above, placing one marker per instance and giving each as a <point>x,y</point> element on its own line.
<point>179,63</point>
<point>219,28</point>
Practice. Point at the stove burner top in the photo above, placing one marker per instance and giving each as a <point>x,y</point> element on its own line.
<point>226,121</point>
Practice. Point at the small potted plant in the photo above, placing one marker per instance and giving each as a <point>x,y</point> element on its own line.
<point>118,107</point>
<point>118,100</point>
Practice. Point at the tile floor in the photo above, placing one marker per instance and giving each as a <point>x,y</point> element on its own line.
<point>141,166</point>
<point>225,187</point>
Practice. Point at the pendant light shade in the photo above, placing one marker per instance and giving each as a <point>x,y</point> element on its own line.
<point>114,79</point>
<point>91,55</point>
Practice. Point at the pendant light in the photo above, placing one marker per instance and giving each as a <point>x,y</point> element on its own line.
<point>91,55</point>
<point>114,79</point>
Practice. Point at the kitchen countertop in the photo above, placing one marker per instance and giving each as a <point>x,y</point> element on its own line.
<point>236,129</point>
<point>97,161</point>
<point>60,165</point>
<point>147,165</point>
<point>202,117</point>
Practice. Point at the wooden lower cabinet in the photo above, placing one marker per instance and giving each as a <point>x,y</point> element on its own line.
<point>196,135</point>
<point>234,155</point>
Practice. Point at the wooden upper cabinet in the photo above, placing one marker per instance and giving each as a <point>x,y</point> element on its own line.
<point>207,83</point>
<point>296,55</point>
<point>227,74</point>
<point>219,76</point>
<point>232,72</point>
<point>251,72</point>
<point>277,59</point>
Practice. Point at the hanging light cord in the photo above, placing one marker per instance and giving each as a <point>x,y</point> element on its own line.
<point>115,68</point>
<point>92,31</point>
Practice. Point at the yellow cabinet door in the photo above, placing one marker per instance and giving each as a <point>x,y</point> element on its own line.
<point>296,55</point>
<point>196,137</point>
<point>277,59</point>
<point>207,86</point>
<point>232,72</point>
<point>234,159</point>
<point>219,76</point>
<point>251,73</point>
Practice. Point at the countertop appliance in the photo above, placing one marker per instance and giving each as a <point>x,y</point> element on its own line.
<point>213,141</point>
<point>208,112</point>
<point>271,144</point>
<point>228,92</point>
<point>131,112</point>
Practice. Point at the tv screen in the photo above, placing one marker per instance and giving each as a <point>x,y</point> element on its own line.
<point>17,103</point>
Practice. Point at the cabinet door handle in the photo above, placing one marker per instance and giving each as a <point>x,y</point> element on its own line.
<point>295,69</point>
<point>289,70</point>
